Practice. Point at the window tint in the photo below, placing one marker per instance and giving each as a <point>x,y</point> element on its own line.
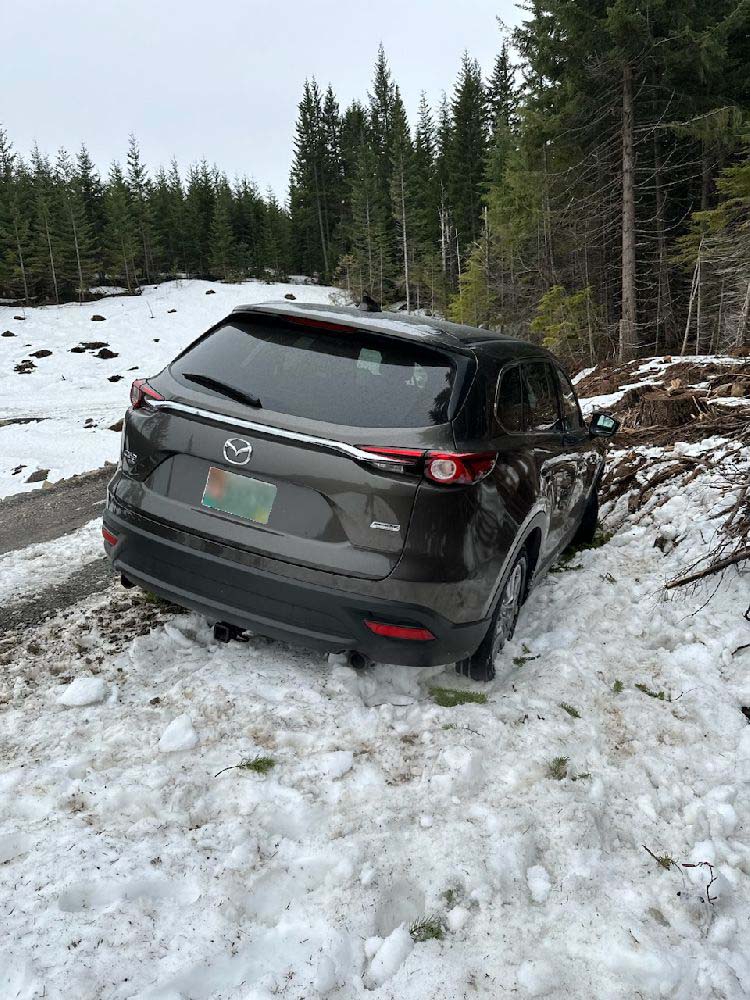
<point>346,377</point>
<point>511,400</point>
<point>542,397</point>
<point>572,419</point>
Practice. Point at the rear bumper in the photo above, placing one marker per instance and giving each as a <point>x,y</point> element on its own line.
<point>210,578</point>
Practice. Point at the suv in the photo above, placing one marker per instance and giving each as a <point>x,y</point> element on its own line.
<point>386,486</point>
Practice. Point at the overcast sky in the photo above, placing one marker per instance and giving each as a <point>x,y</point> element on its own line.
<point>218,78</point>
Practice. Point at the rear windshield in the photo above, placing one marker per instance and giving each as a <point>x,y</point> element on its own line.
<point>345,377</point>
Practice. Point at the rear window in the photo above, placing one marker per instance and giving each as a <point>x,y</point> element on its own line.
<point>343,377</point>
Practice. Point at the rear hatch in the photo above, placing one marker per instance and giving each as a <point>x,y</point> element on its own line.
<point>261,439</point>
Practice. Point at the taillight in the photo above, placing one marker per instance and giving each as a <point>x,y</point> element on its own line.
<point>108,537</point>
<point>400,631</point>
<point>447,468</point>
<point>396,459</point>
<point>453,468</point>
<point>141,392</point>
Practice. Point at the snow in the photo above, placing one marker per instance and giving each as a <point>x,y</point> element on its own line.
<point>69,395</point>
<point>179,735</point>
<point>135,865</point>
<point>83,691</point>
<point>25,572</point>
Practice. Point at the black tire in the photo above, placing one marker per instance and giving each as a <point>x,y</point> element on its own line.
<point>481,665</point>
<point>589,522</point>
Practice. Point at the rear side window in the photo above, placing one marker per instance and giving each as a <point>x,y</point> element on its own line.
<point>511,400</point>
<point>346,377</point>
<point>542,397</point>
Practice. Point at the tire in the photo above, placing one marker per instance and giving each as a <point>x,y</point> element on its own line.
<point>481,665</point>
<point>589,522</point>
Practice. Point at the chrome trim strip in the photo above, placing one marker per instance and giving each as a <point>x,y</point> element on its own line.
<point>350,450</point>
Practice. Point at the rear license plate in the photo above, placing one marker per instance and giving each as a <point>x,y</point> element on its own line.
<point>239,495</point>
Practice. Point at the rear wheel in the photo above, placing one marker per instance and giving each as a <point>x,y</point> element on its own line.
<point>481,665</point>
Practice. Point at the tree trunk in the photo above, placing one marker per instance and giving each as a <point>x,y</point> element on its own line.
<point>404,239</point>
<point>742,337</point>
<point>693,289</point>
<point>21,263</point>
<point>628,328</point>
<point>52,261</point>
<point>666,311</point>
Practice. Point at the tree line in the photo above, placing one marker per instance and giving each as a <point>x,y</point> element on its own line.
<point>64,230</point>
<point>592,192</point>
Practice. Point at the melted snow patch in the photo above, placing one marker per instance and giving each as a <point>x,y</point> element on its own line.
<point>179,735</point>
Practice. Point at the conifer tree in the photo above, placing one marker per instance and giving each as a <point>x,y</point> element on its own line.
<point>121,238</point>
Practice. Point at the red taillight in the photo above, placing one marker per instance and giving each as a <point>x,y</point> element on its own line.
<point>396,459</point>
<point>448,468</point>
<point>400,631</point>
<point>141,392</point>
<point>453,468</point>
<point>108,537</point>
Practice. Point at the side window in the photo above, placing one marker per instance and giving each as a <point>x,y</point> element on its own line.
<point>510,400</point>
<point>542,397</point>
<point>572,419</point>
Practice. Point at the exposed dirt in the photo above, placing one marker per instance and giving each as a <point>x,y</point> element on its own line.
<point>62,507</point>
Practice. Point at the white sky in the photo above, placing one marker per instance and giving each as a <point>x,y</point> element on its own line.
<point>218,79</point>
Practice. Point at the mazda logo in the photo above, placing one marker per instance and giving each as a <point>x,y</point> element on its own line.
<point>237,451</point>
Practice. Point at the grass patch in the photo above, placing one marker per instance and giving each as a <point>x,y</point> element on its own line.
<point>570,709</point>
<point>558,768</point>
<point>451,897</point>
<point>659,695</point>
<point>618,687</point>
<point>427,929</point>
<point>581,777</point>
<point>564,563</point>
<point>260,765</point>
<point>450,698</point>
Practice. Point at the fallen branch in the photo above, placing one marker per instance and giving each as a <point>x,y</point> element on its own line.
<point>715,567</point>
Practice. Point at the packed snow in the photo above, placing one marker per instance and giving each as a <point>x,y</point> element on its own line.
<point>186,820</point>
<point>69,397</point>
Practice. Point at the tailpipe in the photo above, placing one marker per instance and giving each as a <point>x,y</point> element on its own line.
<point>358,661</point>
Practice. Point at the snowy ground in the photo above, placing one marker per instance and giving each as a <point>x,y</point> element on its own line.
<point>71,395</point>
<point>135,869</point>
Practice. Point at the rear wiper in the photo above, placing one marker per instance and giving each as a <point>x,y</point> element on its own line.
<point>225,390</point>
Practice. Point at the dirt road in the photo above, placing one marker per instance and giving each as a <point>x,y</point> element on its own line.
<point>40,516</point>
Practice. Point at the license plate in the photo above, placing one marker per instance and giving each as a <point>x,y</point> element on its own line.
<point>239,495</point>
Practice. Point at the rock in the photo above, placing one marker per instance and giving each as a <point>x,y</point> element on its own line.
<point>171,311</point>
<point>21,319</point>
<point>179,735</point>
<point>39,476</point>
<point>83,691</point>
<point>290,296</point>
<point>25,367</point>
<point>96,318</point>
<point>78,350</point>
<point>210,291</point>
<point>93,345</point>
<point>114,378</point>
<point>7,333</point>
<point>156,340</point>
<point>41,354</point>
<point>118,425</point>
<point>106,354</point>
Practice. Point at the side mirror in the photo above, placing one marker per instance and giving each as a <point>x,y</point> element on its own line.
<point>603,425</point>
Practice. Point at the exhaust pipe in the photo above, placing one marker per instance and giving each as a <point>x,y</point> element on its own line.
<point>358,661</point>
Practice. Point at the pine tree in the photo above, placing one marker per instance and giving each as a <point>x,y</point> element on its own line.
<point>402,181</point>
<point>222,245</point>
<point>121,237</point>
<point>466,153</point>
<point>139,192</point>
<point>79,264</point>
